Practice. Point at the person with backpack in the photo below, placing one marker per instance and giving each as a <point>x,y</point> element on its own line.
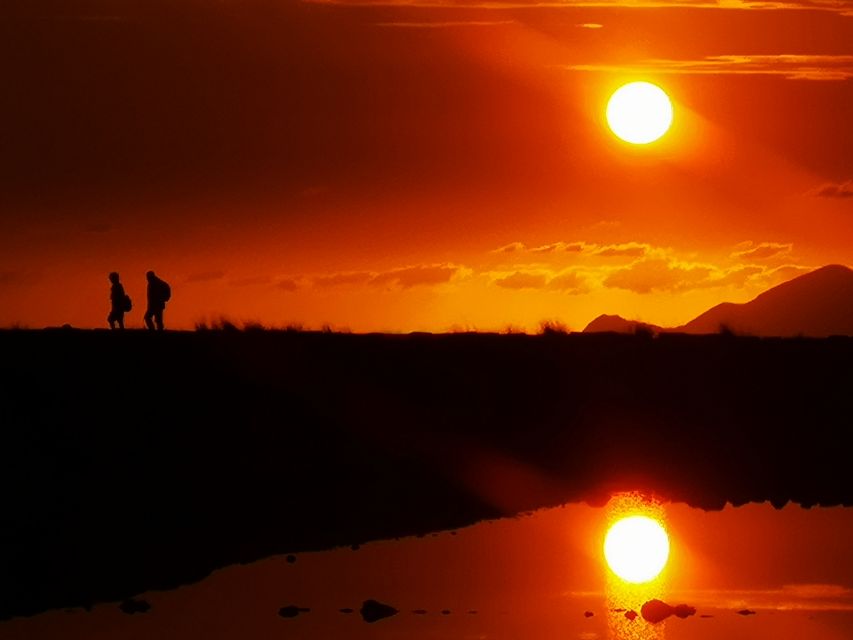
<point>119,303</point>
<point>159,293</point>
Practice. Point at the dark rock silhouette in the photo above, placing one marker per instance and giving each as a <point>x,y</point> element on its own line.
<point>746,612</point>
<point>347,610</point>
<point>291,611</point>
<point>373,611</point>
<point>684,611</point>
<point>131,606</point>
<point>446,612</point>
<point>588,614</point>
<point>617,324</point>
<point>631,614</point>
<point>420,612</point>
<point>655,611</point>
<point>290,558</point>
<point>817,304</point>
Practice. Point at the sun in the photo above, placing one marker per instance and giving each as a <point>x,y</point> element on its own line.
<point>639,112</point>
<point>636,548</point>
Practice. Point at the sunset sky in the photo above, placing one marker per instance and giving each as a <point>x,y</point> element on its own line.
<point>410,165</point>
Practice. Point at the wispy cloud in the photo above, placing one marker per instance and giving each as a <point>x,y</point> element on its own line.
<point>566,281</point>
<point>788,66</point>
<point>569,282</point>
<point>402,277</point>
<point>761,251</point>
<point>342,279</point>
<point>287,284</point>
<point>448,24</point>
<point>626,249</point>
<point>523,280</point>
<point>512,247</point>
<point>844,7</point>
<point>557,247</point>
<point>659,274</point>
<point>205,276</point>
<point>251,281</point>
<point>840,190</point>
<point>419,275</point>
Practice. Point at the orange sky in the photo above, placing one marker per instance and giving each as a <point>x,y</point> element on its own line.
<point>400,166</point>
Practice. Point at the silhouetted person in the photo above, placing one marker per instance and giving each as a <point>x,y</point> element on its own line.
<point>159,293</point>
<point>119,303</point>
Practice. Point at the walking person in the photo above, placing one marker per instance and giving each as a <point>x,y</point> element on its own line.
<point>119,302</point>
<point>159,293</point>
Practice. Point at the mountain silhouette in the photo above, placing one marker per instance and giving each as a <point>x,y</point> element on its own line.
<point>617,324</point>
<point>817,304</point>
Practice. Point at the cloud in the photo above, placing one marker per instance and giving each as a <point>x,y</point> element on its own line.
<point>840,190</point>
<point>762,250</point>
<point>523,280</point>
<point>737,276</point>
<point>590,25</point>
<point>626,249</point>
<point>568,282</point>
<point>251,281</point>
<point>420,275</point>
<point>342,279</point>
<point>287,284</point>
<point>205,276</point>
<point>788,66</point>
<point>512,247</point>
<point>446,24</point>
<point>557,247</point>
<point>786,272</point>
<point>659,274</point>
<point>843,7</point>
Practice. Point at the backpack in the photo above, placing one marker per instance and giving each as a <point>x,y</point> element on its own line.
<point>166,291</point>
<point>127,303</point>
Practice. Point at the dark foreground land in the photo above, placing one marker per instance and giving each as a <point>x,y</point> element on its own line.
<point>131,462</point>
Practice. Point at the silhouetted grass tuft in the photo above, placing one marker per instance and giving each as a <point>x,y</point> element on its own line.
<point>553,327</point>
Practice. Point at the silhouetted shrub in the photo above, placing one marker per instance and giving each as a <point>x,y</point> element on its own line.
<point>553,327</point>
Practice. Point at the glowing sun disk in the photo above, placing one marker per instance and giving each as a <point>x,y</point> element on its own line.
<point>636,548</point>
<point>639,112</point>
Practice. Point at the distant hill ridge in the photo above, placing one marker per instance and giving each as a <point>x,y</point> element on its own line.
<point>816,304</point>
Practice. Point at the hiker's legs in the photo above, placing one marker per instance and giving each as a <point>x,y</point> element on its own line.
<point>120,319</point>
<point>158,319</point>
<point>148,322</point>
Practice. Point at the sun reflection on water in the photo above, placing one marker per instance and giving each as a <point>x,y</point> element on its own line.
<point>625,599</point>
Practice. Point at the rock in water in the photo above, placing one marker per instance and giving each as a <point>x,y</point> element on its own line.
<point>372,611</point>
